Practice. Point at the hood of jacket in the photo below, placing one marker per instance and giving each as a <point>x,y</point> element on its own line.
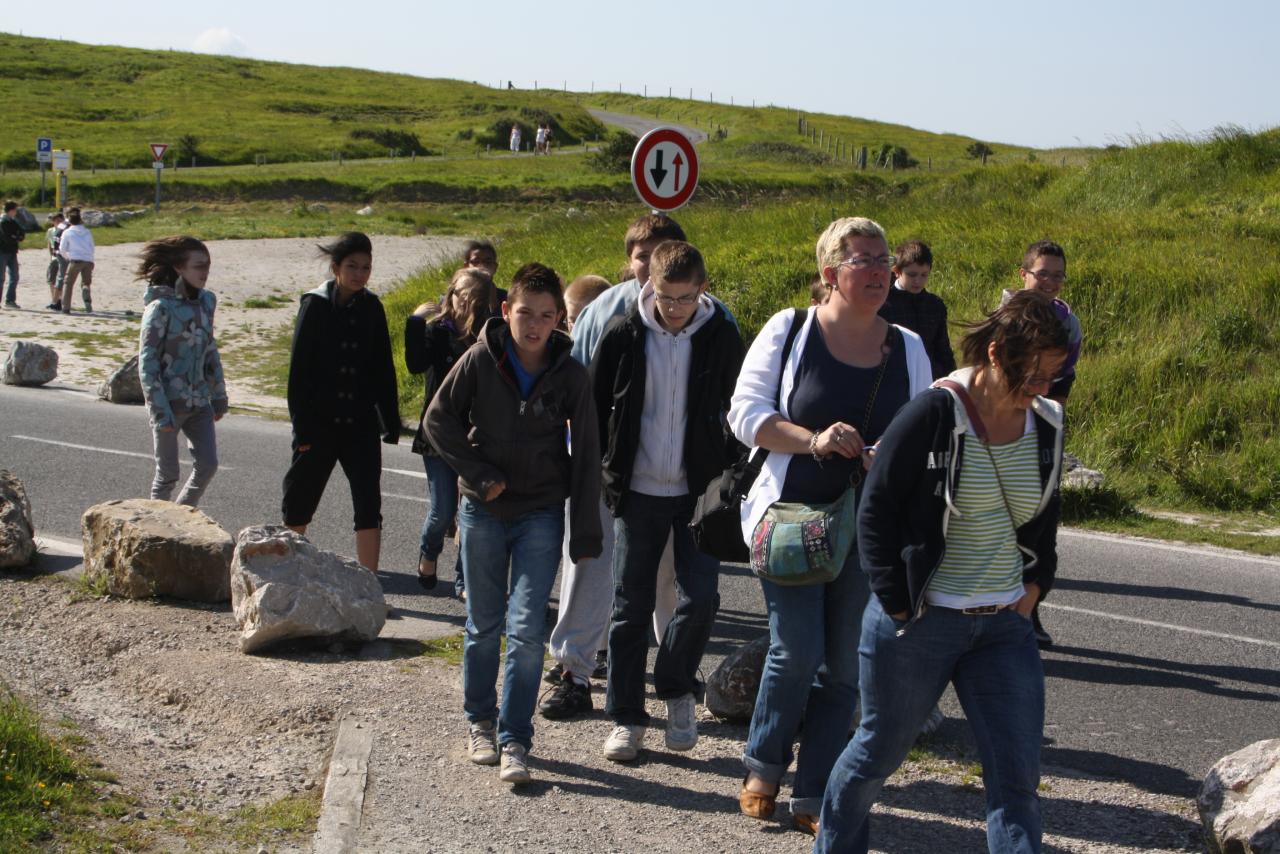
<point>647,306</point>
<point>496,332</point>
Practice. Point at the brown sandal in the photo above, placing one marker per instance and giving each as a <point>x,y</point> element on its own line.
<point>756,804</point>
<point>805,823</point>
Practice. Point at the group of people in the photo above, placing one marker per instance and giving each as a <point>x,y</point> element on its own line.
<point>71,247</point>
<point>575,429</point>
<point>541,139</point>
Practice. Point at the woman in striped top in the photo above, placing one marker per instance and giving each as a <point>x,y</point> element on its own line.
<point>957,529</point>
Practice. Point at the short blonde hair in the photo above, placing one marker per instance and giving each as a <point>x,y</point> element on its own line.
<point>586,288</point>
<point>831,244</point>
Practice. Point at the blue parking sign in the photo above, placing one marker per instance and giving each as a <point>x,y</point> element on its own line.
<point>44,149</point>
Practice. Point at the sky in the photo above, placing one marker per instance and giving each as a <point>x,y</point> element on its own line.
<point>1028,73</point>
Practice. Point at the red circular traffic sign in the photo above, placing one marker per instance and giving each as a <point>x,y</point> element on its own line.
<point>664,169</point>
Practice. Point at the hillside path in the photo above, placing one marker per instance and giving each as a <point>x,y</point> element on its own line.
<point>640,125</point>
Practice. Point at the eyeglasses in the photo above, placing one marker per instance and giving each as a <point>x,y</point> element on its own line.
<point>1046,276</point>
<point>863,262</point>
<point>687,299</point>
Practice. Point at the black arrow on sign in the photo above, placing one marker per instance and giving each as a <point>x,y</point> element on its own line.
<point>659,174</point>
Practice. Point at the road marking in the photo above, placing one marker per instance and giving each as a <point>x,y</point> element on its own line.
<point>416,498</point>
<point>221,467</point>
<point>1158,625</point>
<point>407,473</point>
<point>1225,554</point>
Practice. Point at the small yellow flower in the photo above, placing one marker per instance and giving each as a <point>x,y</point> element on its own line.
<point>40,785</point>
<point>46,803</point>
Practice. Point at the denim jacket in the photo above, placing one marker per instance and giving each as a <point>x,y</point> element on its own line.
<point>177,355</point>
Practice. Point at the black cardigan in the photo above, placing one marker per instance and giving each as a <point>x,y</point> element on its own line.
<point>903,507</point>
<point>431,349</point>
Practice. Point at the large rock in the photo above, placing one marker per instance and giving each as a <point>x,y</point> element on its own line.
<point>732,688</point>
<point>26,219</point>
<point>30,364</point>
<point>124,385</point>
<point>283,587</point>
<point>17,534</point>
<point>1076,476</point>
<point>1240,801</point>
<point>143,548</point>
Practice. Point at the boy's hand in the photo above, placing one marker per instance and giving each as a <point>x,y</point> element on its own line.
<point>494,491</point>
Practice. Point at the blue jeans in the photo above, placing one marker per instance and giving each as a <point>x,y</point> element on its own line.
<point>442,490</point>
<point>810,675</point>
<point>530,545</point>
<point>640,535</point>
<point>9,264</point>
<point>994,664</point>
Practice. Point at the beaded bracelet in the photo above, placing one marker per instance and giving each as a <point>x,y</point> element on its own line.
<point>813,446</point>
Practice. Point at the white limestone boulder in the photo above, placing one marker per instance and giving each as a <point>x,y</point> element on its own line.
<point>17,534</point>
<point>30,363</point>
<point>1239,801</point>
<point>143,548</point>
<point>284,588</point>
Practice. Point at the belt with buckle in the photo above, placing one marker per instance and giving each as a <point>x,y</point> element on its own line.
<point>983,610</point>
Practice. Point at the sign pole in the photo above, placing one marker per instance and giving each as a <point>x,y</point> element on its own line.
<point>158,171</point>
<point>42,184</point>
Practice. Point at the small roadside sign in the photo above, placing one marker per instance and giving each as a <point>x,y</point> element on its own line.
<point>158,149</point>
<point>61,160</point>
<point>664,169</point>
<point>44,149</point>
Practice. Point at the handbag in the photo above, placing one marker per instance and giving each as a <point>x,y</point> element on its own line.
<point>716,525</point>
<point>797,543</point>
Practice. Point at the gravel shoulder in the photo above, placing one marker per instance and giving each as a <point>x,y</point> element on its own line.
<point>190,724</point>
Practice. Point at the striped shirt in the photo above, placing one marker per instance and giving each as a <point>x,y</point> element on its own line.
<point>981,564</point>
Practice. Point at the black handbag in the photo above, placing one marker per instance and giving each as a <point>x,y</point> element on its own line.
<point>717,517</point>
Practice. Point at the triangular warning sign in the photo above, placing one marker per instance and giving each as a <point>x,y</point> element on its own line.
<point>158,149</point>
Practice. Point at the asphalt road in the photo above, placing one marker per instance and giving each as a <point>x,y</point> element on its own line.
<point>1167,657</point>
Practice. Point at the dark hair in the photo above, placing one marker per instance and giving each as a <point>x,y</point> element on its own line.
<point>1040,248</point>
<point>819,291</point>
<point>160,258</point>
<point>482,245</point>
<point>1023,330</point>
<point>913,252</point>
<point>351,243</point>
<point>73,216</point>
<point>56,215</point>
<point>10,206</point>
<point>653,227</point>
<point>677,261</point>
<point>535,278</point>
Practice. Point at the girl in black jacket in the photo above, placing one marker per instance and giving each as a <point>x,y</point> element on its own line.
<point>430,348</point>
<point>342,395</point>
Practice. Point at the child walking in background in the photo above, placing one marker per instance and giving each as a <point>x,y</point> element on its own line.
<point>77,248</point>
<point>910,305</point>
<point>342,395</point>
<point>178,363</point>
<point>57,269</point>
<point>499,421</point>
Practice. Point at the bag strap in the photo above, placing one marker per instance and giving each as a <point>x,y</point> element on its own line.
<point>980,430</point>
<point>756,462</point>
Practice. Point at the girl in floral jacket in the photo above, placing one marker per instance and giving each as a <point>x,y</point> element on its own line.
<point>178,363</point>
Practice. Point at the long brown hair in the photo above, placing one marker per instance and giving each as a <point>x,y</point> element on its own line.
<point>468,325</point>
<point>160,259</point>
<point>1023,330</point>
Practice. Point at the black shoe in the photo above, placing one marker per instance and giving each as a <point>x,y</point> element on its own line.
<point>12,305</point>
<point>554,675</point>
<point>567,700</point>
<point>427,582</point>
<point>54,306</point>
<point>1043,640</point>
<point>602,665</point>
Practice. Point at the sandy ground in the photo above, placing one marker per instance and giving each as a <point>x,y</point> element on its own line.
<point>242,270</point>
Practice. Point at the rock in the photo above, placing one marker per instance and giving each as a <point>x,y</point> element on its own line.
<point>318,207</point>
<point>144,548</point>
<point>124,385</point>
<point>365,211</point>
<point>26,219</point>
<point>96,219</point>
<point>1239,801</point>
<point>732,688</point>
<point>17,534</point>
<point>283,587</point>
<point>30,364</point>
<point>1076,476</point>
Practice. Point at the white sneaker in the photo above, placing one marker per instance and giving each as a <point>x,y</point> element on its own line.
<point>482,743</point>
<point>932,722</point>
<point>682,723</point>
<point>515,764</point>
<point>624,743</point>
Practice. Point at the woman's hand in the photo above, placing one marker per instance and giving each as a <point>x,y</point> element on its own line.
<point>494,491</point>
<point>1027,603</point>
<point>218,417</point>
<point>302,449</point>
<point>427,309</point>
<point>839,438</point>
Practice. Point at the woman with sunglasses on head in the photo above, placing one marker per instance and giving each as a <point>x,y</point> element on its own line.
<point>817,411</point>
<point>430,348</point>
<point>957,530</point>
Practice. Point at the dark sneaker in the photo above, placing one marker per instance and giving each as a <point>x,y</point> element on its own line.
<point>602,665</point>
<point>554,675</point>
<point>1043,639</point>
<point>567,700</point>
<point>12,305</point>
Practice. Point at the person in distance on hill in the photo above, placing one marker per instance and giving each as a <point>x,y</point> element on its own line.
<point>178,363</point>
<point>1044,269</point>
<point>913,307</point>
<point>662,378</point>
<point>77,248</point>
<point>11,234</point>
<point>957,552</point>
<point>499,421</point>
<point>342,395</point>
<point>431,347</point>
<point>57,269</point>
<point>817,411</point>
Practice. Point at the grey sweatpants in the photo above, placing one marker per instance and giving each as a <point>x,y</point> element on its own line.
<point>197,426</point>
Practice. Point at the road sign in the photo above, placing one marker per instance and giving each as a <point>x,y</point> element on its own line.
<point>664,169</point>
<point>44,149</point>
<point>61,160</point>
<point>158,149</point>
